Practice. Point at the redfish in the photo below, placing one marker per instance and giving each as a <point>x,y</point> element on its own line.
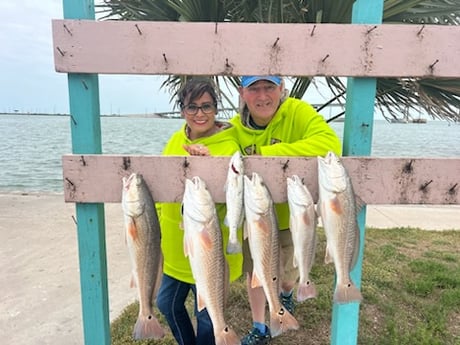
<point>143,238</point>
<point>263,237</point>
<point>203,246</point>
<point>338,211</point>
<point>302,223</point>
<point>234,200</point>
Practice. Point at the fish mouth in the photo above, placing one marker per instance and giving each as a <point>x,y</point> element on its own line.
<point>330,168</point>
<point>328,159</point>
<point>195,184</point>
<point>295,179</point>
<point>128,180</point>
<point>254,180</point>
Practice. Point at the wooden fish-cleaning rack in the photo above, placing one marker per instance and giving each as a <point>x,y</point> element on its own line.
<point>362,51</point>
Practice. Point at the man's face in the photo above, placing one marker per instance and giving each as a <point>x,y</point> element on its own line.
<point>262,98</point>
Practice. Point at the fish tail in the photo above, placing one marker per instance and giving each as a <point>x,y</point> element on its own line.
<point>227,337</point>
<point>148,327</point>
<point>346,293</point>
<point>282,321</point>
<point>306,290</point>
<point>234,247</point>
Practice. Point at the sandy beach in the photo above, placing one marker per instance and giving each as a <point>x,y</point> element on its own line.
<point>39,262</point>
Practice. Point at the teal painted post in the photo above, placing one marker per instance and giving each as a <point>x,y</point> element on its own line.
<point>86,139</point>
<point>357,141</point>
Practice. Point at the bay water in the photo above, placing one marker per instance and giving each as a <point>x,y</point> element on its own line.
<point>31,146</point>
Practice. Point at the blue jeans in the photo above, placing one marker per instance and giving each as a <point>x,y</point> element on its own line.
<point>171,303</point>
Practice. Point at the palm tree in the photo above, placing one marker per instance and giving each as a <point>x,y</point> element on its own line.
<point>440,98</point>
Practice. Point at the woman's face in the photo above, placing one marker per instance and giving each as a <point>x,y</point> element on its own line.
<point>262,99</point>
<point>200,115</point>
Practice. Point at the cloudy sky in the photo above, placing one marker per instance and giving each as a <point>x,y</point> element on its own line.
<point>29,83</point>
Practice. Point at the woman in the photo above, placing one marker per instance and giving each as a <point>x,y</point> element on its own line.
<point>200,135</point>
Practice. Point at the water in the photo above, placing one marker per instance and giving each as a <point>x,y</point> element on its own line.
<point>31,146</point>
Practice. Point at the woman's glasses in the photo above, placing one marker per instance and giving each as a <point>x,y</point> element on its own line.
<point>206,108</point>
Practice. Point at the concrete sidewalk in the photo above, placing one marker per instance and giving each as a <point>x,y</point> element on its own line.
<point>39,263</point>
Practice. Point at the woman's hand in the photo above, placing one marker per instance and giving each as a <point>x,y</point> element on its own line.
<point>197,150</point>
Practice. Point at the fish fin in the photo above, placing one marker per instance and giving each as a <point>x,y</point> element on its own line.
<point>245,230</point>
<point>132,281</point>
<point>306,219</point>
<point>188,247</point>
<point>306,290</point>
<point>346,293</point>
<point>328,257</point>
<point>227,336</point>
<point>294,261</point>
<point>131,229</point>
<point>200,301</point>
<point>241,220</point>
<point>318,209</point>
<point>335,205</point>
<point>281,321</point>
<point>355,257</point>
<point>359,203</point>
<point>255,281</point>
<point>205,238</point>
<point>159,278</point>
<point>263,226</point>
<point>234,247</point>
<point>148,327</point>
<point>126,235</point>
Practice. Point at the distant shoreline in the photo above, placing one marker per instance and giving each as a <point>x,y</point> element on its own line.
<point>102,115</point>
<point>163,115</point>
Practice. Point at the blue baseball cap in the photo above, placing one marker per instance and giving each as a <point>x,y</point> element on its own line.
<point>248,80</point>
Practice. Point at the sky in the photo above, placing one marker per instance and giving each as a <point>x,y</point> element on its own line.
<point>29,83</point>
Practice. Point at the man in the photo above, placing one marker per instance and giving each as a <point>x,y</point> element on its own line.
<point>272,124</point>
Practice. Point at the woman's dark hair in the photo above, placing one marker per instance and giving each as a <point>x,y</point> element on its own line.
<point>195,88</point>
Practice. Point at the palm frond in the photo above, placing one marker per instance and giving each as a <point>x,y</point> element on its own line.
<point>156,10</point>
<point>445,12</point>
<point>438,97</point>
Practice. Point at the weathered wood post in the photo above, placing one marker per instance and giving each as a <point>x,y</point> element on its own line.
<point>357,141</point>
<point>86,138</point>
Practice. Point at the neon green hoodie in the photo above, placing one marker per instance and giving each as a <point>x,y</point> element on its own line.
<point>296,129</point>
<point>175,263</point>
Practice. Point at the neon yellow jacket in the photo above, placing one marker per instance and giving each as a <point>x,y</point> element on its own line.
<point>175,263</point>
<point>295,130</point>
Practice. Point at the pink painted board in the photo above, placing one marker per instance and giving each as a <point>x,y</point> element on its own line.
<point>136,47</point>
<point>97,178</point>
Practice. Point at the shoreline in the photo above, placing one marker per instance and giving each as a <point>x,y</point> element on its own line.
<point>423,216</point>
<point>39,262</point>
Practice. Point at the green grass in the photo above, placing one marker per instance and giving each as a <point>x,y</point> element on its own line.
<point>410,284</point>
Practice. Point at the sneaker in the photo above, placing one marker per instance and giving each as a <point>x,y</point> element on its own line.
<point>255,337</point>
<point>288,302</point>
